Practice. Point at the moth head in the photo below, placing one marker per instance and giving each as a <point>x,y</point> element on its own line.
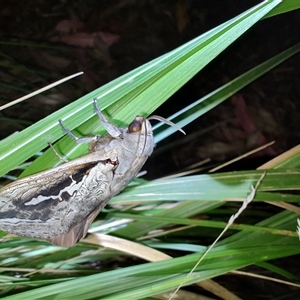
<point>142,128</point>
<point>137,124</point>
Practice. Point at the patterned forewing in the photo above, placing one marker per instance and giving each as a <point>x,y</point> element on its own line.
<point>48,206</point>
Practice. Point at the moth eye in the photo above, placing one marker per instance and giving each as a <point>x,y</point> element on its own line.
<point>135,126</point>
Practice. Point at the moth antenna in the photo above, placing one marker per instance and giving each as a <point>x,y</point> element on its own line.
<point>159,118</point>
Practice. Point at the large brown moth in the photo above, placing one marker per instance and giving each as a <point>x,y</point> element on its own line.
<point>58,205</point>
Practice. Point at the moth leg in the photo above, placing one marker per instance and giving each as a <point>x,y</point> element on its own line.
<point>81,140</point>
<point>111,128</point>
<point>57,154</point>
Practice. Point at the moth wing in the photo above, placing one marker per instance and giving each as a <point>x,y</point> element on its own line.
<point>51,203</point>
<point>77,232</point>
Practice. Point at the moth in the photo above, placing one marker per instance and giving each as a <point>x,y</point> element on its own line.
<point>58,205</point>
